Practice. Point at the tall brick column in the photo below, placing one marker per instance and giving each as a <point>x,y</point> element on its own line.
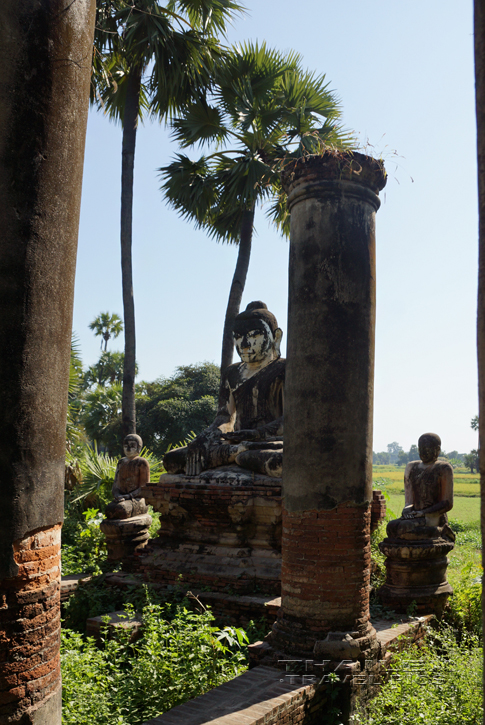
<point>327,473</point>
<point>45,68</point>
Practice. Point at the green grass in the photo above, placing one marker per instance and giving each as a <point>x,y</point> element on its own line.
<point>465,509</point>
<point>439,684</point>
<point>466,484</point>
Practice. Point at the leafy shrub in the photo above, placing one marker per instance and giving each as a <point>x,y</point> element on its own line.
<point>94,598</point>
<point>464,610</point>
<point>83,544</point>
<point>468,533</point>
<point>437,685</point>
<point>378,570</point>
<point>169,409</point>
<point>179,656</point>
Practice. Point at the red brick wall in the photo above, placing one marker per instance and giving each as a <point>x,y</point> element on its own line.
<point>326,568</point>
<point>30,625</point>
<point>378,509</point>
<point>217,513</point>
<point>215,535</point>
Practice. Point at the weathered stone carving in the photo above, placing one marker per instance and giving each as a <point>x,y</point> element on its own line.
<point>417,543</point>
<point>220,500</point>
<point>127,521</point>
<point>248,428</point>
<point>132,473</point>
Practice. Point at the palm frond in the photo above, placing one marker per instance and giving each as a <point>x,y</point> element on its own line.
<point>200,124</point>
<point>278,212</point>
<point>207,15</point>
<point>273,111</point>
<point>189,188</point>
<point>97,471</point>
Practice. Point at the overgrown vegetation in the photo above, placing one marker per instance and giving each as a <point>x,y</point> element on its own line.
<point>83,544</point>
<point>168,409</point>
<point>179,656</point>
<point>436,685</point>
<point>441,682</point>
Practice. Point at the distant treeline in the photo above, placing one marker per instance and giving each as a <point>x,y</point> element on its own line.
<point>396,455</point>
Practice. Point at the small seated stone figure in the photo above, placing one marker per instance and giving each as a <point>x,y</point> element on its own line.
<point>417,544</point>
<point>428,495</point>
<point>132,473</point>
<point>248,428</point>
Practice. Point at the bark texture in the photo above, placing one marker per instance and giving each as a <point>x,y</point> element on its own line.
<point>237,288</point>
<point>480,112</point>
<point>130,122</point>
<point>45,67</point>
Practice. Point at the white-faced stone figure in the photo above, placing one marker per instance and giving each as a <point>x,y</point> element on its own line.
<point>248,428</point>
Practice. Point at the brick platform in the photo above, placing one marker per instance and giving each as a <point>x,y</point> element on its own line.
<point>30,626</point>
<point>117,621</point>
<point>220,530</point>
<point>228,609</point>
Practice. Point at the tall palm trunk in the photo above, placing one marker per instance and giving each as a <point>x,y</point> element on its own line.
<point>237,287</point>
<point>130,121</point>
<point>480,112</point>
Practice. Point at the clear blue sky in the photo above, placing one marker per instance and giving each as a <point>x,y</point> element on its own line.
<point>404,74</point>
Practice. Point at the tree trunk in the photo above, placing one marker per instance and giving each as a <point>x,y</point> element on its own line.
<point>237,287</point>
<point>45,70</point>
<point>130,122</point>
<point>480,112</point>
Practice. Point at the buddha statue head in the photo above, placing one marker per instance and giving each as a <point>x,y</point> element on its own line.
<point>429,446</point>
<point>256,335</point>
<point>132,445</point>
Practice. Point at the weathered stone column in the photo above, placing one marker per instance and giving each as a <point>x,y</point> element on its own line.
<point>327,471</point>
<point>45,66</point>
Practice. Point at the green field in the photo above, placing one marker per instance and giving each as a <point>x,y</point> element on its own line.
<point>390,479</point>
<point>466,510</point>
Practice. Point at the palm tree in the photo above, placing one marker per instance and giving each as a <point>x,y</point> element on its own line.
<point>268,110</point>
<point>149,57</point>
<point>108,370</point>
<point>106,326</point>
<point>73,430</point>
<point>102,416</point>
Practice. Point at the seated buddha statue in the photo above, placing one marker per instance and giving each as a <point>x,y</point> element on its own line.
<point>248,428</point>
<point>428,495</point>
<point>132,472</point>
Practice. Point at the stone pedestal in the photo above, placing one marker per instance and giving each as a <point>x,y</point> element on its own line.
<point>220,530</point>
<point>416,572</point>
<point>327,471</point>
<point>124,537</point>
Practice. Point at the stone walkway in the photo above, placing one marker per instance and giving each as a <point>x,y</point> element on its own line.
<point>247,700</point>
